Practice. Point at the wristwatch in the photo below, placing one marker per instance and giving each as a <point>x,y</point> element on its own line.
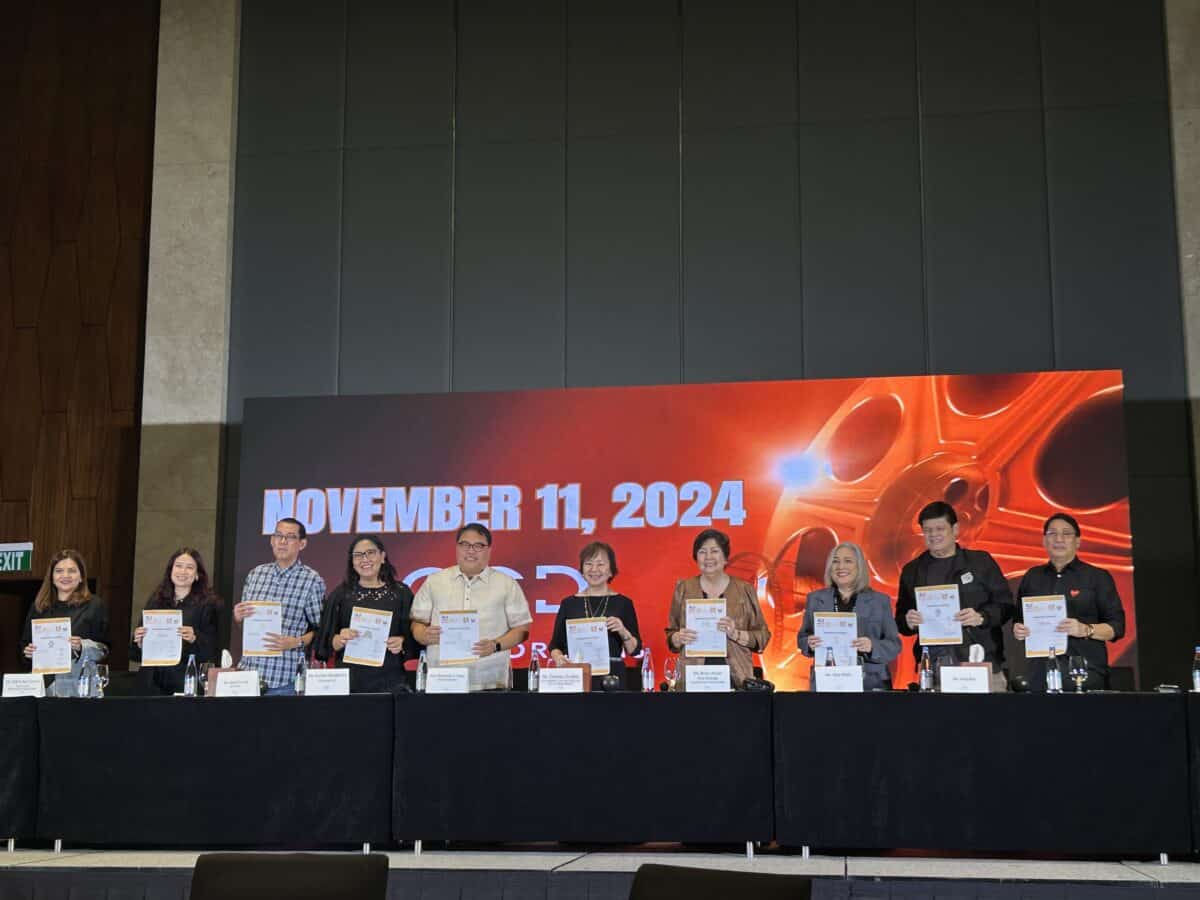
<point>1090,628</point>
<point>498,647</point>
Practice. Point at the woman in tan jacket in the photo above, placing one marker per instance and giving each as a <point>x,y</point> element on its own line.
<point>744,627</point>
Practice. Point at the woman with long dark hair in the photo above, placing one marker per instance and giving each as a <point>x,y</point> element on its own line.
<point>184,587</point>
<point>370,584</point>
<point>64,594</point>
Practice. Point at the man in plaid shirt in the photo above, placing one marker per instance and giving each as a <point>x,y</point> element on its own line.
<point>300,591</point>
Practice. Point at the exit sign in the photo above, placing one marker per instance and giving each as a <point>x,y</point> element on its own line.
<point>16,557</point>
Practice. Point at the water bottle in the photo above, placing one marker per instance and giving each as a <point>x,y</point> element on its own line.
<point>87,679</point>
<point>191,677</point>
<point>925,672</point>
<point>647,672</point>
<point>422,671</point>
<point>1196,670</point>
<point>830,662</point>
<point>1053,673</point>
<point>535,672</point>
<point>301,676</point>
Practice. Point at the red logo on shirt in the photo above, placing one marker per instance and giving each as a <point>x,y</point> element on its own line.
<point>1074,592</point>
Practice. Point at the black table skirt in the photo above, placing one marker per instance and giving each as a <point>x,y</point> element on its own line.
<point>286,771</point>
<point>18,767</point>
<point>983,773</point>
<point>599,767</point>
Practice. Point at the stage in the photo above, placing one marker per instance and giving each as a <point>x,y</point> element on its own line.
<point>552,873</point>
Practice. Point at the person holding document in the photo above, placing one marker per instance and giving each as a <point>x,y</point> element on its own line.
<point>849,593</point>
<point>287,594</point>
<point>184,590</point>
<point>366,623</point>
<point>964,594</point>
<point>598,565</point>
<point>1094,615</point>
<point>64,595</point>
<point>736,635</point>
<point>481,612</point>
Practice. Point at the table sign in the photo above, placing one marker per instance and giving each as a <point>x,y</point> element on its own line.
<point>162,644</point>
<point>52,638</point>
<point>1042,615</point>
<point>267,618</point>
<point>938,604</point>
<point>448,680</point>
<point>24,685</point>
<point>327,683</point>
<point>460,634</point>
<point>839,679</point>
<point>701,617</point>
<point>237,683</point>
<point>561,680</point>
<point>707,680</point>
<point>966,679</point>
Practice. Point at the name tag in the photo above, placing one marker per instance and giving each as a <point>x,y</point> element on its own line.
<point>24,685</point>
<point>327,683</point>
<point>707,680</point>
<point>561,681</point>
<point>966,679</point>
<point>839,679</point>
<point>448,680</point>
<point>237,684</point>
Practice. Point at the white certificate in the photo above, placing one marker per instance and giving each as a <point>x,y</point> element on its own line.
<point>1042,615</point>
<point>938,604</point>
<point>52,638</point>
<point>587,641</point>
<point>701,617</point>
<point>266,619</point>
<point>839,680</point>
<point>707,680</point>
<point>448,680</point>
<point>460,634</point>
<point>836,630</point>
<point>561,680</point>
<point>373,627</point>
<point>327,683</point>
<point>162,645</point>
<point>24,685</point>
<point>965,679</point>
<point>241,683</point>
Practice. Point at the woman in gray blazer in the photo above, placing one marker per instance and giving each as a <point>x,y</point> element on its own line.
<point>849,590</point>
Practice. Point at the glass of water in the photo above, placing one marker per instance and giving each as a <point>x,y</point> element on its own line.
<point>1077,666</point>
<point>101,679</point>
<point>670,672</point>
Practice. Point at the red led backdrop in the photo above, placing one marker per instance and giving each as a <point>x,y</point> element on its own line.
<point>787,469</point>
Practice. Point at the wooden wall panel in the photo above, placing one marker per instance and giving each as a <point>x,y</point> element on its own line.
<point>77,85</point>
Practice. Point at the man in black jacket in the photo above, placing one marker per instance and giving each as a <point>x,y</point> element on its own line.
<point>985,602</point>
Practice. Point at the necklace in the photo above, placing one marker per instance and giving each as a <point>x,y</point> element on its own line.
<point>587,608</point>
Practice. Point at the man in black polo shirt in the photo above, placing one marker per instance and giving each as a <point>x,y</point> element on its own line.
<point>1094,612</point>
<point>985,602</point>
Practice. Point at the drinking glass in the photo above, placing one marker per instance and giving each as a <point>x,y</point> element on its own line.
<point>670,672</point>
<point>101,679</point>
<point>205,668</point>
<point>1079,672</point>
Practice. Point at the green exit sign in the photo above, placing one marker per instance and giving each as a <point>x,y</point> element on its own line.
<point>16,557</point>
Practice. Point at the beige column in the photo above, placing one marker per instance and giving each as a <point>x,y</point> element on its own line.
<point>187,308</point>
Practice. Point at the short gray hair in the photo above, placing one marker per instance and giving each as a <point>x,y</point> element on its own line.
<point>863,581</point>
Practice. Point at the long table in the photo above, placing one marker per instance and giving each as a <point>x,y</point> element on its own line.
<point>1097,774</point>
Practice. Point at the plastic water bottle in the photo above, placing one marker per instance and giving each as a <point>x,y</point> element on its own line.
<point>1053,673</point>
<point>422,671</point>
<point>87,679</point>
<point>191,677</point>
<point>535,672</point>
<point>1196,670</point>
<point>301,678</point>
<point>647,672</point>
<point>925,672</point>
<point>830,662</point>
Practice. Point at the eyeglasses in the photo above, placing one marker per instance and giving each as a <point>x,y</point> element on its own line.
<point>364,554</point>
<point>1061,534</point>
<point>286,538</point>
<point>472,545</point>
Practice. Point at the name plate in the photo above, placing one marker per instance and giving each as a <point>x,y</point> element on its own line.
<point>966,679</point>
<point>448,680</point>
<point>839,679</point>
<point>707,680</point>
<point>327,683</point>
<point>24,685</point>
<point>561,681</point>
<point>238,684</point>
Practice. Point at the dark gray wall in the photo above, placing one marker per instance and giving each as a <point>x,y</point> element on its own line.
<point>438,196</point>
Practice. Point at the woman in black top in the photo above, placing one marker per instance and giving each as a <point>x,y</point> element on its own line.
<point>184,587</point>
<point>370,583</point>
<point>64,594</point>
<point>598,564</point>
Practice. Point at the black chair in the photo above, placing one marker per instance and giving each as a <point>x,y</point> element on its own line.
<point>654,881</point>
<point>297,876</point>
